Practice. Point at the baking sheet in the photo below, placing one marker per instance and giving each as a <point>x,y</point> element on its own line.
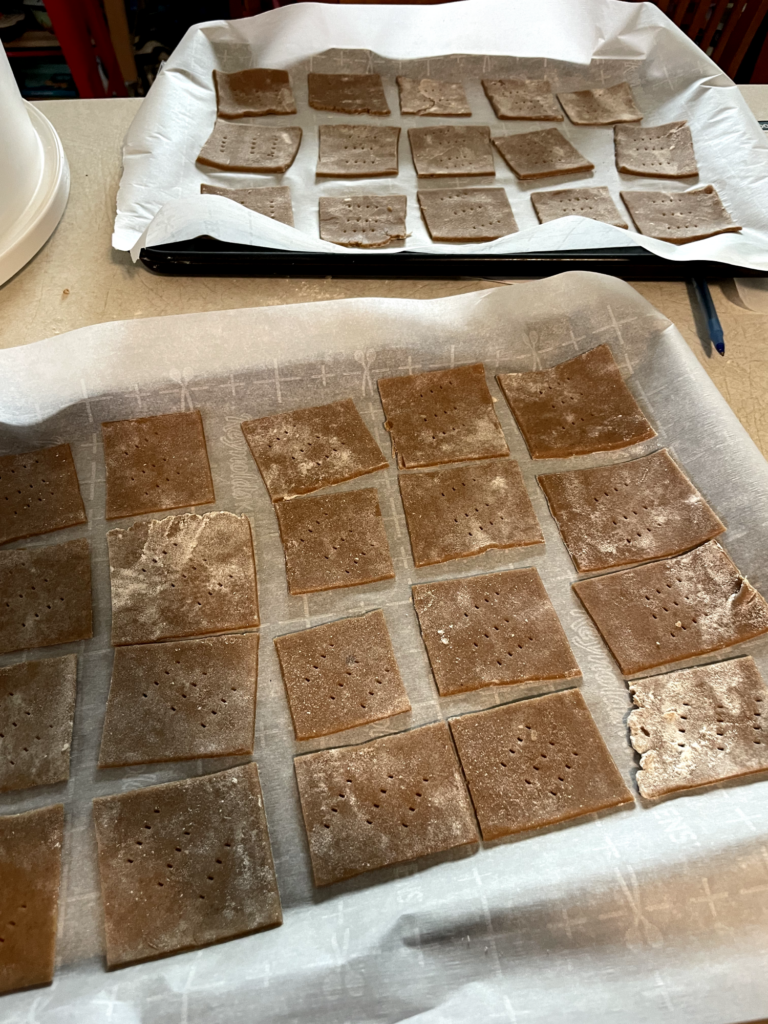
<point>575,45</point>
<point>650,914</point>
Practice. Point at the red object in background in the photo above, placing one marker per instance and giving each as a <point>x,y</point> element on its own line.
<point>84,39</point>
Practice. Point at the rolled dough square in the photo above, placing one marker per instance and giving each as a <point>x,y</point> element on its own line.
<point>390,800</point>
<point>341,675</point>
<point>679,216</point>
<point>441,416</point>
<point>601,106</point>
<point>456,512</point>
<point>30,867</point>
<point>575,408</point>
<point>182,576</point>
<point>156,463</point>
<point>676,609</point>
<point>466,214</point>
<point>185,864</point>
<point>432,98</point>
<point>518,99</point>
<point>665,151</point>
<point>253,92</point>
<point>366,221</point>
<point>541,154</point>
<point>47,596</point>
<point>450,151</point>
<point>39,492</point>
<point>491,630</point>
<point>536,763</point>
<point>334,540</point>
<point>356,151</point>
<point>181,700</point>
<point>37,707</point>
<point>595,203</point>
<point>630,512</point>
<point>347,94</point>
<point>699,726</point>
<point>306,449</point>
<point>244,146</point>
<point>271,201</point>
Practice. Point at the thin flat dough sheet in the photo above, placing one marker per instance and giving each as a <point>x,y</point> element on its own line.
<point>665,151</point>
<point>357,151</point>
<point>452,151</point>
<point>601,106</point>
<point>251,148</point>
<point>272,201</point>
<point>347,94</point>
<point>517,99</point>
<point>541,154</point>
<point>368,222</point>
<point>466,214</point>
<point>595,202</point>
<point>39,492</point>
<point>679,216</point>
<point>429,97</point>
<point>253,93</point>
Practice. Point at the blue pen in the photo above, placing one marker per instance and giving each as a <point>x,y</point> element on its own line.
<point>714,326</point>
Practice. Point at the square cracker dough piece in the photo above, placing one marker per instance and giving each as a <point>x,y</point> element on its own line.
<point>536,763</point>
<point>679,216</point>
<point>185,864</point>
<point>461,511</point>
<point>366,221</point>
<point>441,416</point>
<point>47,594</point>
<point>356,151</point>
<point>380,803</point>
<point>430,97</point>
<point>466,214</point>
<point>39,492</point>
<point>37,707</point>
<point>253,93</point>
<point>627,513</point>
<point>272,201</point>
<point>334,540</point>
<point>181,700</point>
<point>452,151</point>
<point>182,576</point>
<point>595,203</point>
<point>347,94</point>
<point>244,146</point>
<point>341,675</point>
<point>301,451</point>
<point>699,726</point>
<point>669,611</point>
<point>665,151</point>
<point>155,464</point>
<point>30,867</point>
<point>516,99</point>
<point>575,408</point>
<point>541,154</point>
<point>491,630</point>
<point>601,106</point>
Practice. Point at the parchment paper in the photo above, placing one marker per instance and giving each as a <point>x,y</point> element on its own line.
<point>575,44</point>
<point>650,914</point>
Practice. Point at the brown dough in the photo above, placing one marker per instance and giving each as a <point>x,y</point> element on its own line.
<point>453,513</point>
<point>679,216</point>
<point>341,675</point>
<point>699,726</point>
<point>450,151</point>
<point>595,203</point>
<point>244,146</point>
<point>271,201</point>
<point>601,106</point>
<point>185,864</point>
<point>253,92</point>
<point>30,869</point>
<point>347,94</point>
<point>155,464</point>
<point>576,407</point>
<point>37,707</point>
<point>535,763</point>
<point>441,416</point>
<point>47,596</point>
<point>366,221</point>
<point>491,630</point>
<point>665,151</point>
<point>515,99</point>
<point>466,214</point>
<point>39,492</point>
<point>631,512</point>
<point>541,154</point>
<point>356,151</point>
<point>181,700</point>
<point>334,540</point>
<point>668,611</point>
<point>390,800</point>
<point>182,576</point>
<point>432,98</point>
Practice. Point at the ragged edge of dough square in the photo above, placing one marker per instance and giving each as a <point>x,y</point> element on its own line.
<point>39,493</point>
<point>365,221</point>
